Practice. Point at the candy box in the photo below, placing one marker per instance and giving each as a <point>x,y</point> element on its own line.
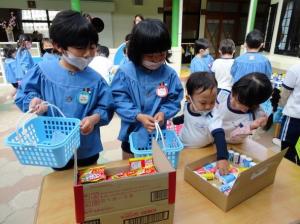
<point>247,184</point>
<point>110,199</point>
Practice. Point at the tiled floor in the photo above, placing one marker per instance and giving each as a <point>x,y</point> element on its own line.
<point>20,185</point>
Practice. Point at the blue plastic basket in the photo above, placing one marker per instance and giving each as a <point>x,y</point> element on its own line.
<point>172,142</point>
<point>46,141</point>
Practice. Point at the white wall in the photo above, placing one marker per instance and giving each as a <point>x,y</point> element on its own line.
<point>124,13</point>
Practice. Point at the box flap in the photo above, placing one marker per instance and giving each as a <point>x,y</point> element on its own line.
<point>160,160</point>
<point>262,170</point>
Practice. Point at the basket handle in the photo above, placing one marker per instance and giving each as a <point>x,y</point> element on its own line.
<point>32,115</point>
<point>159,132</point>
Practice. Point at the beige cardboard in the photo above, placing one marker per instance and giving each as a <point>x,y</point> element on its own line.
<point>247,184</point>
<point>128,193</point>
<point>162,214</point>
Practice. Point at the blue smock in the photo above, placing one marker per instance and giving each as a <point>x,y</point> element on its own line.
<point>201,64</point>
<point>248,63</point>
<point>51,82</point>
<point>49,56</point>
<point>10,70</point>
<point>24,62</point>
<point>134,91</point>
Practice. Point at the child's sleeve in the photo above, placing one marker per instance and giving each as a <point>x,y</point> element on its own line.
<point>269,69</point>
<point>30,88</point>
<point>26,61</point>
<point>216,130</point>
<point>124,105</point>
<point>234,70</point>
<point>105,104</point>
<point>171,106</point>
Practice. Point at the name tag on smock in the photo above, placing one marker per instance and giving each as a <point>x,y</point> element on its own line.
<point>162,90</point>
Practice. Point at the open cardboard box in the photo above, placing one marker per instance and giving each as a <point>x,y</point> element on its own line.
<point>113,197</point>
<point>247,184</point>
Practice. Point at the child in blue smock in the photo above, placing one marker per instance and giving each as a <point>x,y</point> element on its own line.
<point>49,52</point>
<point>252,60</point>
<point>146,89</point>
<point>10,65</point>
<point>70,84</point>
<point>24,60</point>
<point>202,61</point>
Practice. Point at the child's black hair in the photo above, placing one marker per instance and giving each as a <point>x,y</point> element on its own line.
<point>227,46</point>
<point>127,37</point>
<point>254,39</point>
<point>201,43</point>
<point>71,29</point>
<point>8,51</point>
<point>200,80</point>
<point>148,36</point>
<point>103,50</point>
<point>274,102</point>
<point>252,89</point>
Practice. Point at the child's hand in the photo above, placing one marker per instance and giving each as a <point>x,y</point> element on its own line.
<point>36,106</point>
<point>147,121</point>
<point>259,122</point>
<point>160,118</point>
<point>87,124</point>
<point>223,166</point>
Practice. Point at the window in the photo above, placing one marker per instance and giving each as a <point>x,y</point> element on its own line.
<point>37,20</point>
<point>270,26</point>
<point>288,38</point>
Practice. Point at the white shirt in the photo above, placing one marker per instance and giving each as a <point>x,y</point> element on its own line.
<point>221,67</point>
<point>103,66</point>
<point>292,82</point>
<point>233,119</point>
<point>197,129</point>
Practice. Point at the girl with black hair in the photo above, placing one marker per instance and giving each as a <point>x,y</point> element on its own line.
<point>146,90</point>
<point>70,84</point>
<point>24,60</point>
<point>240,109</point>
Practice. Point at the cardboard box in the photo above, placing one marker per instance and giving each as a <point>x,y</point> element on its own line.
<point>162,214</point>
<point>108,197</point>
<point>247,184</point>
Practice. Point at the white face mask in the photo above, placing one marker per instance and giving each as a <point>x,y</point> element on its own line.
<point>201,112</point>
<point>152,65</point>
<point>79,62</point>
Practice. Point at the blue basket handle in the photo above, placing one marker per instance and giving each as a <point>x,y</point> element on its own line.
<point>159,132</point>
<point>33,115</point>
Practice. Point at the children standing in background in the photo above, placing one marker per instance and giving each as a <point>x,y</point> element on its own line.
<point>222,66</point>
<point>290,99</point>
<point>24,60</point>
<point>240,109</point>
<point>102,64</point>
<point>10,65</point>
<point>252,60</point>
<point>70,84</point>
<point>145,89</point>
<point>202,124</point>
<point>202,61</point>
<point>49,52</point>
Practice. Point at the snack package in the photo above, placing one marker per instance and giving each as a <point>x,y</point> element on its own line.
<point>92,175</point>
<point>138,163</point>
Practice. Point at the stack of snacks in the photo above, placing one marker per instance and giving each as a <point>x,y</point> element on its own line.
<point>137,167</point>
<point>92,175</point>
<point>238,164</point>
